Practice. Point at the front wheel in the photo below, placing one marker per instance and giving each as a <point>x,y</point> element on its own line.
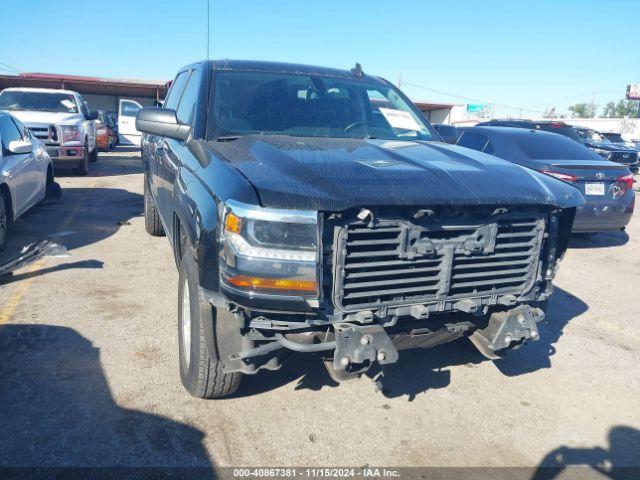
<point>93,156</point>
<point>201,369</point>
<point>83,166</point>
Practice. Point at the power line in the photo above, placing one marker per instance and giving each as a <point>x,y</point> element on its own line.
<point>12,68</point>
<point>421,87</point>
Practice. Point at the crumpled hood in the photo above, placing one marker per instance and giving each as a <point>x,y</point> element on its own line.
<point>331,174</point>
<point>34,118</point>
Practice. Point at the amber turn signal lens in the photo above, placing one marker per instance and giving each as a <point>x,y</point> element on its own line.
<point>273,283</point>
<point>232,223</point>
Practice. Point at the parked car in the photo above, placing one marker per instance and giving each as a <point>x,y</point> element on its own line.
<point>553,126</point>
<point>25,171</point>
<point>60,119</point>
<point>448,133</point>
<point>594,141</point>
<point>304,216</point>
<point>114,120</point>
<point>606,186</point>
<point>608,150</point>
<point>106,136</point>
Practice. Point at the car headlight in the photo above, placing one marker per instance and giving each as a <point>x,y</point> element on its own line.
<point>70,133</point>
<point>265,250</point>
<point>602,153</point>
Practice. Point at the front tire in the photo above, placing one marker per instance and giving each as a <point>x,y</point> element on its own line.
<point>93,156</point>
<point>201,369</point>
<point>152,223</point>
<point>83,166</point>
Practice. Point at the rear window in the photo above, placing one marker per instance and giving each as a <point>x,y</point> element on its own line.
<point>552,147</point>
<point>565,130</point>
<point>446,130</point>
<point>474,140</point>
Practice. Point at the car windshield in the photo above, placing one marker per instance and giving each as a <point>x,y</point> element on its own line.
<point>553,147</point>
<point>614,137</point>
<point>39,101</point>
<point>312,106</point>
<point>592,135</point>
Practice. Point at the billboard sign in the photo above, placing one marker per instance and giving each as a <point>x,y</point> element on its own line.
<point>633,91</point>
<point>476,107</point>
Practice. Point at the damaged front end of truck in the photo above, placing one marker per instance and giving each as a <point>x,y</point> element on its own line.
<point>359,285</point>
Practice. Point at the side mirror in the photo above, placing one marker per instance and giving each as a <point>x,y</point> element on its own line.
<point>93,115</point>
<point>162,122</point>
<point>20,146</point>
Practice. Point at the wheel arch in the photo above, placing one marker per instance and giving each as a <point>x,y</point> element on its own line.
<point>195,227</point>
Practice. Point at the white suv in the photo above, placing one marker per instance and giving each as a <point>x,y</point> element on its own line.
<point>60,119</point>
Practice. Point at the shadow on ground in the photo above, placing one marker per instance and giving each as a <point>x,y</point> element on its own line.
<point>423,369</point>
<point>621,460</point>
<point>84,216</point>
<point>599,240</point>
<point>57,411</point>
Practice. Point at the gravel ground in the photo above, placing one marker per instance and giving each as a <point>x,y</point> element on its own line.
<point>89,377</point>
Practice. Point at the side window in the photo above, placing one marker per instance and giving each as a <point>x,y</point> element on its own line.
<point>8,133</point>
<point>474,140</point>
<point>189,97</point>
<point>83,106</point>
<point>24,131</point>
<point>129,109</point>
<point>175,92</point>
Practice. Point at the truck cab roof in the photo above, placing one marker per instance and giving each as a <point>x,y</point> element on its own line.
<point>40,90</point>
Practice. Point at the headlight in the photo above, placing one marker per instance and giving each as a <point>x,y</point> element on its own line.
<point>602,153</point>
<point>267,250</point>
<point>70,133</point>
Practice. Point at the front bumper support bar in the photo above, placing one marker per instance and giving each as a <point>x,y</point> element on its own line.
<point>357,344</point>
<point>509,329</point>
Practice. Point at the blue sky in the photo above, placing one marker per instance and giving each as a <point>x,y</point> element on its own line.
<point>530,55</point>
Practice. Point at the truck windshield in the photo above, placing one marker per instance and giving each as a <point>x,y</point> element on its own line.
<point>312,106</point>
<point>592,135</point>
<point>38,101</point>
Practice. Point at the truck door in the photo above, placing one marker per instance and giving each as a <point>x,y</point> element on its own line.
<point>127,133</point>
<point>163,156</point>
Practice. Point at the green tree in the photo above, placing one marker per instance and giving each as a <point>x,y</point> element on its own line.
<point>609,110</point>
<point>624,108</point>
<point>584,110</point>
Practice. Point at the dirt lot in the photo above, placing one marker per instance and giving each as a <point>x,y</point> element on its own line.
<point>88,365</point>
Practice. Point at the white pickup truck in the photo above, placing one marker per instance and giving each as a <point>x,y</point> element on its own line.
<point>60,119</point>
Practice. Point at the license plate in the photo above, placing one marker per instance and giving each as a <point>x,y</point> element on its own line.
<point>594,188</point>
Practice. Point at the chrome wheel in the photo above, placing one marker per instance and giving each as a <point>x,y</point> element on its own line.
<point>186,324</point>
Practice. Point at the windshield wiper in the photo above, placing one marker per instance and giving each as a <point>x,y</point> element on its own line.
<point>228,138</point>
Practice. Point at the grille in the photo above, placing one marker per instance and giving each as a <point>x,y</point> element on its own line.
<point>48,134</point>
<point>396,264</point>
<point>623,157</point>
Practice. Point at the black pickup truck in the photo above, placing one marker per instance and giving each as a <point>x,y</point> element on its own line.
<point>316,210</point>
